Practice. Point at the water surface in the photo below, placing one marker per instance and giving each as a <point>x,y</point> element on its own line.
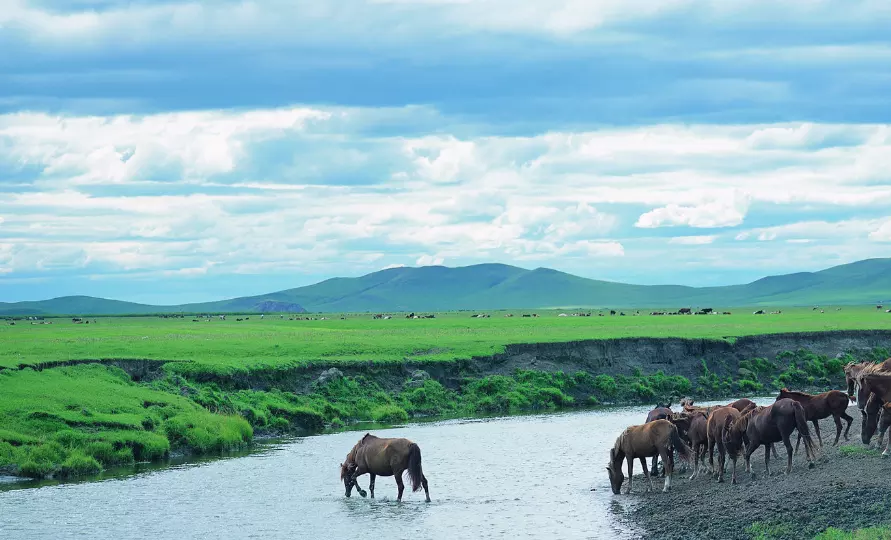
<point>514,477</point>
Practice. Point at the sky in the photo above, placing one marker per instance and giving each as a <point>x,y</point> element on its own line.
<point>169,152</point>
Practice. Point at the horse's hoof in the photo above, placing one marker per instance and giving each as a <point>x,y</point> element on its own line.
<point>363,494</point>
<point>811,465</point>
<point>428,499</point>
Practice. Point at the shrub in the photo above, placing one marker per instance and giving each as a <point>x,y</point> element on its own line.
<point>749,386</point>
<point>79,464</point>
<point>389,414</point>
<point>606,386</point>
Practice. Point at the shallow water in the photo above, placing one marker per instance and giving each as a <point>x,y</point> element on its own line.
<point>515,477</point>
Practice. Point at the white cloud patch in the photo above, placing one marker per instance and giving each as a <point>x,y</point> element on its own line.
<point>883,233</point>
<point>727,211</point>
<point>429,260</point>
<point>693,240</point>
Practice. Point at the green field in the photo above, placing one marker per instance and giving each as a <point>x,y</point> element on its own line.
<point>273,342</point>
<point>76,420</point>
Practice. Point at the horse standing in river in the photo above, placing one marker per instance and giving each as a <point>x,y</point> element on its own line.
<point>383,457</point>
<point>772,424</point>
<point>643,441</point>
<point>833,403</point>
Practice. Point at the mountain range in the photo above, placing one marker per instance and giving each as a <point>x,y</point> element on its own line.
<point>500,286</point>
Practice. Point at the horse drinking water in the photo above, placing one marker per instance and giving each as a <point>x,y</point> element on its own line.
<point>643,441</point>
<point>383,457</point>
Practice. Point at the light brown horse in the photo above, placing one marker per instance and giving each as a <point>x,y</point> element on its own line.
<point>383,457</point>
<point>741,405</point>
<point>720,436</point>
<point>833,403</point>
<point>772,424</point>
<point>640,442</point>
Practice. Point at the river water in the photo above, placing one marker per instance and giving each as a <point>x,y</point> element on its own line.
<point>514,477</point>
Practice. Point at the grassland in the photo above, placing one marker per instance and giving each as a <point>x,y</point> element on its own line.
<point>274,342</point>
<point>75,420</point>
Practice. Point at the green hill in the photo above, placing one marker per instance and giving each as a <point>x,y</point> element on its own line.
<point>499,286</point>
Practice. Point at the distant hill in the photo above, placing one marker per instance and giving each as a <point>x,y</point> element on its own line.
<point>499,286</point>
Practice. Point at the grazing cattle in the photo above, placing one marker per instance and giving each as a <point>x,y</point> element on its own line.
<point>820,406</point>
<point>612,312</point>
<point>685,311</point>
<point>759,312</point>
<point>879,307</point>
<point>640,442</point>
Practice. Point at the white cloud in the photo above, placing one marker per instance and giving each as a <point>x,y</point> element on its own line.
<point>693,240</point>
<point>429,260</point>
<point>883,233</point>
<point>725,212</point>
<point>232,193</point>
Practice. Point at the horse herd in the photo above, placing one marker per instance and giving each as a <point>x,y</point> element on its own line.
<point>741,427</point>
<point>736,429</point>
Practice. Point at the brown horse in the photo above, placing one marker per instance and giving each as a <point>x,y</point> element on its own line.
<point>772,424</point>
<point>659,412</point>
<point>833,403</point>
<point>854,378</point>
<point>740,404</point>
<point>640,442</point>
<point>727,441</point>
<point>697,433</point>
<point>384,457</point>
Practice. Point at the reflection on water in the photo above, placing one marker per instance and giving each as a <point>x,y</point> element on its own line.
<point>516,477</point>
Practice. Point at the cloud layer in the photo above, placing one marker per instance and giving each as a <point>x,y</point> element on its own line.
<point>209,150</point>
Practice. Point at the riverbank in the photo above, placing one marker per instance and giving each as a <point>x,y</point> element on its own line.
<point>68,418</point>
<point>847,490</point>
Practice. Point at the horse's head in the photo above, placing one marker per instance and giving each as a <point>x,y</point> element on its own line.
<point>784,393</point>
<point>346,475</point>
<point>614,469</point>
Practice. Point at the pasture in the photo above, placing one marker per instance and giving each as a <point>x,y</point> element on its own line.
<point>273,342</point>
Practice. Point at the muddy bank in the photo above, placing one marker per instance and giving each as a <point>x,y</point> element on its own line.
<point>847,489</point>
<point>674,356</point>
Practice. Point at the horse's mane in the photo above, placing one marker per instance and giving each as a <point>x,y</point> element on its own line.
<point>795,393</point>
<point>879,370</point>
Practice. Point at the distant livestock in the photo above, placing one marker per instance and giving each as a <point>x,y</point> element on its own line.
<point>759,312</point>
<point>685,311</point>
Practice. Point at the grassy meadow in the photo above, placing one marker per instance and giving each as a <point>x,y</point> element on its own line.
<point>274,342</point>
<point>79,419</point>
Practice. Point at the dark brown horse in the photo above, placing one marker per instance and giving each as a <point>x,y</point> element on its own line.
<point>726,441</point>
<point>697,433</point>
<point>871,415</point>
<point>640,442</point>
<point>833,403</point>
<point>383,457</point>
<point>772,424</point>
<point>659,412</point>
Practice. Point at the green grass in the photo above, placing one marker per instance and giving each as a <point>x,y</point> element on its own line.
<point>872,533</point>
<point>75,420</point>
<point>853,450</point>
<point>229,347</point>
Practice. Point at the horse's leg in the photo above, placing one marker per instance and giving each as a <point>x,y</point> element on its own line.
<point>371,484</point>
<point>424,483</point>
<point>766,460</point>
<point>399,485</point>
<point>655,470</point>
<point>849,419</point>
<point>630,472</point>
<point>668,467</point>
<point>695,461</point>
<point>773,451</point>
<point>838,428</point>
<point>733,478</point>
<point>711,457</point>
<point>817,429</point>
<point>788,444</point>
<point>360,470</point>
<point>649,477</point>
<point>721,457</point>
<point>797,442</point>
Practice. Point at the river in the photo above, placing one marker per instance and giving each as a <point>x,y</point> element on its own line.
<point>513,477</point>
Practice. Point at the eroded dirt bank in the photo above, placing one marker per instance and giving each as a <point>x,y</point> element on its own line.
<point>847,489</point>
<point>674,356</point>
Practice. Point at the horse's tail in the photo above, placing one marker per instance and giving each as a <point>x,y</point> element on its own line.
<point>415,474</point>
<point>801,424</point>
<point>679,445</point>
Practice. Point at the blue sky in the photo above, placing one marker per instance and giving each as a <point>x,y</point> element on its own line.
<point>168,152</point>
